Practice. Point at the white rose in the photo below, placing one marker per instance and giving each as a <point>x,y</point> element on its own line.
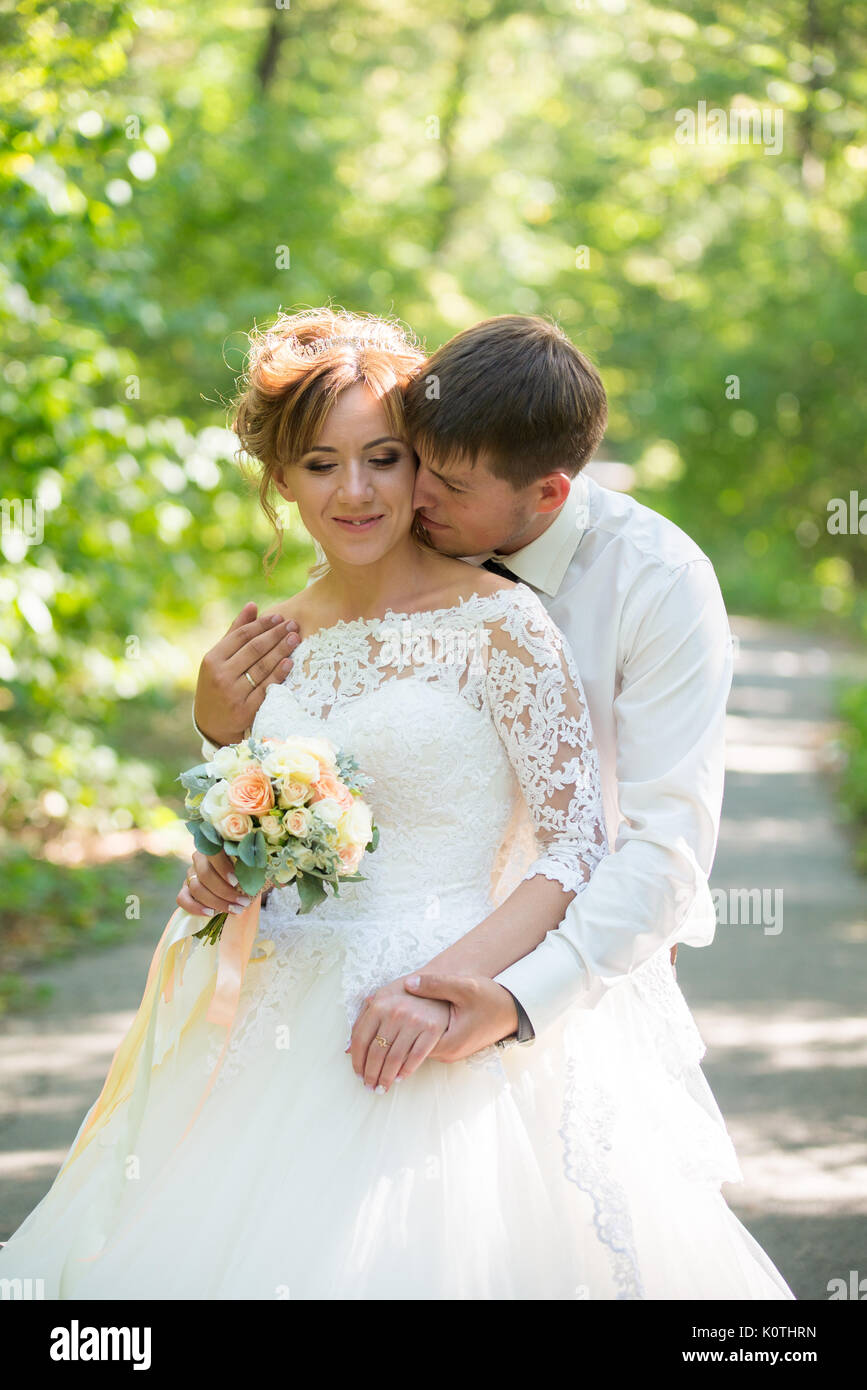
<point>329,810</point>
<point>215,803</point>
<point>226,761</point>
<point>356,824</point>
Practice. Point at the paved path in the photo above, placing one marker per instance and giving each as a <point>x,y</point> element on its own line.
<point>782,1011</point>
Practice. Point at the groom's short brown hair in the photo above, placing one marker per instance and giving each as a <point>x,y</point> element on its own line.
<point>514,388</point>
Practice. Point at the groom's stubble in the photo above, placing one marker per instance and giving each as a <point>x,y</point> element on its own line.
<point>493,516</point>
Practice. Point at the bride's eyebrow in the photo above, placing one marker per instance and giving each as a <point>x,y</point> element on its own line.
<point>327,448</point>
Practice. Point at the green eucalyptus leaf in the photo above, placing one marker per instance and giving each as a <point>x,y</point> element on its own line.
<point>311,891</point>
<point>204,844</point>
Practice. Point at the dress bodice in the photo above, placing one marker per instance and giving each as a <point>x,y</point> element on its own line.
<point>470,723</point>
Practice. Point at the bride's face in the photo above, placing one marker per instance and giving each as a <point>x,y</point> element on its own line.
<point>354,487</point>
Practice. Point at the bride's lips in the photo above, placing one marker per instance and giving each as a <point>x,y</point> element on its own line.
<point>357,523</point>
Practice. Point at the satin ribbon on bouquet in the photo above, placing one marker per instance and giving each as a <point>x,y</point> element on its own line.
<point>129,1075</point>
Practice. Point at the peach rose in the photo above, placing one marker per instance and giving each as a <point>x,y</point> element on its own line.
<point>250,791</point>
<point>235,825</point>
<point>330,786</point>
<point>350,858</point>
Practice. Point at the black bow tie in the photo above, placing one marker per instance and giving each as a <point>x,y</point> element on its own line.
<point>496,567</point>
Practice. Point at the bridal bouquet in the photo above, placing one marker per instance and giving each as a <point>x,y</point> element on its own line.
<point>283,810</point>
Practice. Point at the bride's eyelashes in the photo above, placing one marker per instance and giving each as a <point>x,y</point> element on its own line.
<point>384,462</point>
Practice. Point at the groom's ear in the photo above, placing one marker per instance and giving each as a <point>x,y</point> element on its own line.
<point>552,491</point>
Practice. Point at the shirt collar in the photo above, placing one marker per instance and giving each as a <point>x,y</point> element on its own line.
<point>544,562</point>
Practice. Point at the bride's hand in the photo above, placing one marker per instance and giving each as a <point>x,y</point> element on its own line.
<point>226,701</point>
<point>209,887</point>
<point>412,1027</point>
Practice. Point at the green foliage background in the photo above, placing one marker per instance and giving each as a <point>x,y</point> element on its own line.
<point>170,175</point>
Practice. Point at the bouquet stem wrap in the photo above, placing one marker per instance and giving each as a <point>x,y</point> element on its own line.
<point>287,810</point>
<point>130,1071</point>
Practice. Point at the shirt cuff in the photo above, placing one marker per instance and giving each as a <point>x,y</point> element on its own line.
<point>208,748</point>
<point>545,982</point>
<point>524,1032</point>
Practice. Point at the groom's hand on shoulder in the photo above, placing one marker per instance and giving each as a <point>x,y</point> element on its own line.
<point>261,647</point>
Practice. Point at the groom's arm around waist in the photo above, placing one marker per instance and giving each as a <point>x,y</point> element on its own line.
<point>670,721</point>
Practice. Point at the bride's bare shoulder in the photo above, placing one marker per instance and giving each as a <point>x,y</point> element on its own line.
<point>464,579</point>
<point>301,608</point>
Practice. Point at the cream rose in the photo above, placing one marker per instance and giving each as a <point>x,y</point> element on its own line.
<point>356,825</point>
<point>297,822</point>
<point>292,793</point>
<point>292,761</point>
<point>272,827</point>
<point>234,826</point>
<point>320,748</point>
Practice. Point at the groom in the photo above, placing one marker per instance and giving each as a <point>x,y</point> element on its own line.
<point>503,419</point>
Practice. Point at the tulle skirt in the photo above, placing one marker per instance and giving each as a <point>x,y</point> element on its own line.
<point>585,1166</point>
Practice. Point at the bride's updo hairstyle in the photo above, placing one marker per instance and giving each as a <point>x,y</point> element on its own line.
<point>295,371</point>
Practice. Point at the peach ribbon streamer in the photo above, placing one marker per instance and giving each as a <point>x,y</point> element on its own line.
<point>129,1074</point>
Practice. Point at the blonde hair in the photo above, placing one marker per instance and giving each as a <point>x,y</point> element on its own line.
<point>296,369</point>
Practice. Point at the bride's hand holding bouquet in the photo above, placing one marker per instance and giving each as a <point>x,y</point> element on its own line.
<point>283,810</point>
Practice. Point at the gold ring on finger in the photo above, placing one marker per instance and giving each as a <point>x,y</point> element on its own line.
<point>383,1042</point>
<point>250,679</point>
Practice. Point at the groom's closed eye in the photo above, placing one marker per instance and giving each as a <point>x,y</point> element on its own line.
<point>451,487</point>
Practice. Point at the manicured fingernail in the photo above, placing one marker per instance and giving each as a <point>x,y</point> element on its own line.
<point>275,619</point>
<point>397,1078</point>
<point>367,1086</point>
<point>233,880</point>
<point>236,907</point>
<point>413,981</point>
<point>380,1090</point>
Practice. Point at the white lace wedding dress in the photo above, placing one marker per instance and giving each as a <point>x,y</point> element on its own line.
<point>587,1165</point>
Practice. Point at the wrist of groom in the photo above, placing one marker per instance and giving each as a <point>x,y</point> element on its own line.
<point>524,1032</point>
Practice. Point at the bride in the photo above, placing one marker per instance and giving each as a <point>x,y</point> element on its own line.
<point>588,1166</point>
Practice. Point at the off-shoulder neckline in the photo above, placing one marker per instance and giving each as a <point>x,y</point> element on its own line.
<point>391,615</point>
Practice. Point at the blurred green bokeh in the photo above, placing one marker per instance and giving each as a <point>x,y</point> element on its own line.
<point>169,176</point>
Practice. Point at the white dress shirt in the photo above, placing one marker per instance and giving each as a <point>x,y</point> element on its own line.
<point>641,608</point>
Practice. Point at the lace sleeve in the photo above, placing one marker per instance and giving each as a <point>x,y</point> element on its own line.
<point>538,707</point>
